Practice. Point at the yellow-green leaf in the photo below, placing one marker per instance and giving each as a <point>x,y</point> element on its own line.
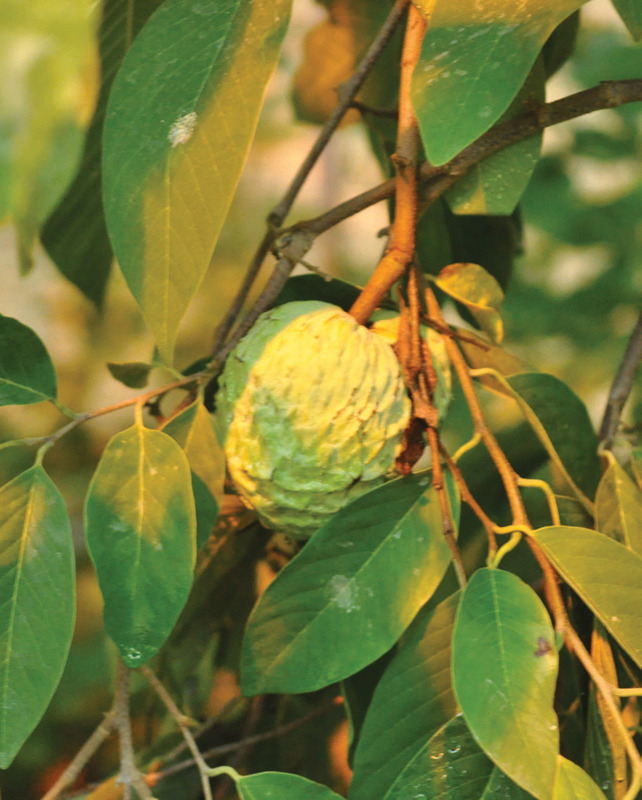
<point>47,94</point>
<point>618,505</point>
<point>181,116</point>
<point>478,291</point>
<point>572,783</point>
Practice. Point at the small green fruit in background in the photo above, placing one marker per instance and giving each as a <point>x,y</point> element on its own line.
<point>312,409</point>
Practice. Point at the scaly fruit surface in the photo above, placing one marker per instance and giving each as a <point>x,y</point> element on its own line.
<point>312,408</point>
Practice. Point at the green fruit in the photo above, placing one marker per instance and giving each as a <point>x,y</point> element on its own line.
<point>312,408</point>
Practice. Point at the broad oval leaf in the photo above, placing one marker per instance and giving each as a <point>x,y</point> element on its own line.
<point>450,766</point>
<point>478,291</point>
<point>37,605</point>
<point>193,429</point>
<point>47,68</point>
<point>495,184</point>
<point>133,374</point>
<point>282,786</point>
<point>504,673</point>
<point>26,372</point>
<point>605,574</point>
<point>181,116</point>
<point>350,593</point>
<point>572,783</point>
<point>412,700</point>
<point>75,235</point>
<point>618,507</point>
<point>141,525</point>
<point>475,58</point>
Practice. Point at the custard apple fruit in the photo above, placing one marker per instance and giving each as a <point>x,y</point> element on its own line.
<point>311,408</point>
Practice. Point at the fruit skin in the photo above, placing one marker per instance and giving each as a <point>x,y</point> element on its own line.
<point>312,408</point>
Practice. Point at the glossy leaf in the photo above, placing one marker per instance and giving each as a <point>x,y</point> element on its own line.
<point>140,525</point>
<point>496,184</point>
<point>618,505</point>
<point>478,291</point>
<point>474,60</point>
<point>631,13</point>
<point>380,558</point>
<point>37,605</point>
<point>281,786</point>
<point>501,786</point>
<point>412,700</point>
<point>47,56</point>
<point>572,783</point>
<point>193,429</point>
<point>74,235</point>
<point>133,374</point>
<point>180,119</point>
<point>450,766</point>
<point>26,372</point>
<point>504,673</point>
<point>605,574</point>
<point>561,422</point>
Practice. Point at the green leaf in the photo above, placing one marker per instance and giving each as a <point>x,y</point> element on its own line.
<point>450,766</point>
<point>380,558</point>
<point>74,235</point>
<point>181,116</point>
<point>618,505</point>
<point>636,464</point>
<point>140,526</point>
<point>562,424</point>
<point>504,672</point>
<point>495,185</point>
<point>478,291</point>
<point>281,786</point>
<point>133,374</point>
<point>412,700</point>
<point>26,372</point>
<point>474,59</point>
<point>47,55</point>
<point>193,428</point>
<point>631,13</point>
<point>605,574</point>
<point>572,783</point>
<point>598,756</point>
<point>37,606</point>
<point>501,786</point>
<point>314,287</point>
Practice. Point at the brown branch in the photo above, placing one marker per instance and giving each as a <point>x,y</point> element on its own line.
<point>400,250</point>
<point>621,387</point>
<point>276,217</point>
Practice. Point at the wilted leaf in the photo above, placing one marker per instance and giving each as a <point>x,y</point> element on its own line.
<point>631,13</point>
<point>282,786</point>
<point>181,116</point>
<point>605,574</point>
<point>47,76</point>
<point>141,527</point>
<point>26,372</point>
<point>475,57</point>
<point>37,605</point>
<point>572,783</point>
<point>504,673</point>
<point>380,558</point>
<point>133,374</point>
<point>74,235</point>
<point>478,291</point>
<point>618,505</point>
<point>412,700</point>
<point>495,185</point>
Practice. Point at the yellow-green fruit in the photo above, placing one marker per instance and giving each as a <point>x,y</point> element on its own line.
<point>312,408</point>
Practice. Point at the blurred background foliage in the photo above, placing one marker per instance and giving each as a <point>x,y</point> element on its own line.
<point>572,301</point>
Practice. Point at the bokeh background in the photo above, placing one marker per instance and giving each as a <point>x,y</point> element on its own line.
<point>571,305</point>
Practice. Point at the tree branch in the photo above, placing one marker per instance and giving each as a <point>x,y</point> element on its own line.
<point>621,387</point>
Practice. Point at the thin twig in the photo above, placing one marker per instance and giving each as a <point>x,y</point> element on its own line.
<point>280,211</point>
<point>129,774</point>
<point>621,387</point>
<point>78,763</point>
<point>181,720</point>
